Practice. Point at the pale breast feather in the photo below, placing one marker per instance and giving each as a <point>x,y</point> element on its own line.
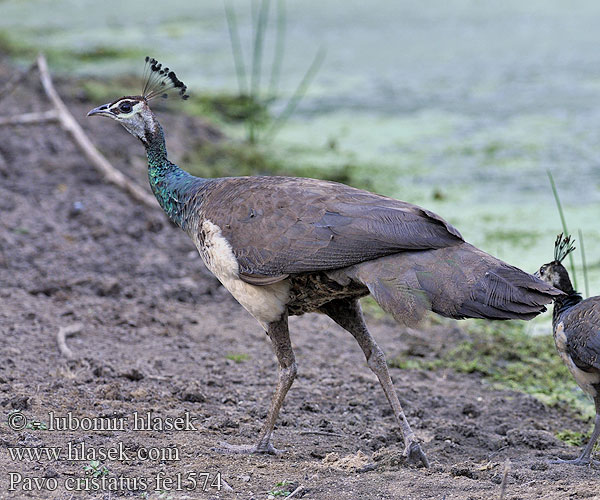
<point>266,303</point>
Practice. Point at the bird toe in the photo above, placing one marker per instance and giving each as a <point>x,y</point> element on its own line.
<point>581,461</point>
<point>415,455</point>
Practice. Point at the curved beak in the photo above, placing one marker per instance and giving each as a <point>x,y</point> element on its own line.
<point>537,274</point>
<point>101,110</point>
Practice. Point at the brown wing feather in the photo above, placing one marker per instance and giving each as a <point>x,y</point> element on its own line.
<point>281,225</point>
<point>582,327</point>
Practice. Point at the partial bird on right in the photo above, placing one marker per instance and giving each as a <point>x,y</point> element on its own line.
<point>576,326</point>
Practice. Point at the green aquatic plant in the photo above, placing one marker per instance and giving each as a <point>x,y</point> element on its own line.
<point>563,221</point>
<point>581,245</point>
<point>257,123</point>
<point>586,281</point>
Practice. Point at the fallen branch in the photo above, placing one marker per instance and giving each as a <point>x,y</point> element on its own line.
<point>160,378</point>
<point>297,490</point>
<point>30,118</point>
<point>62,114</point>
<point>322,433</point>
<point>101,164</point>
<point>504,479</point>
<point>61,338</point>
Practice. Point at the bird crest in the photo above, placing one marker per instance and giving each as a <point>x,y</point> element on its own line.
<point>563,247</point>
<point>159,80</point>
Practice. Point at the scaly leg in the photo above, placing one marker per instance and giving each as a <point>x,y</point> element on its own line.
<point>347,313</point>
<point>585,457</point>
<point>280,338</point>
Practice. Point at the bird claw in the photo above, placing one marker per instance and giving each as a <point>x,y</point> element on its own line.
<point>580,461</point>
<point>415,455</point>
<point>247,449</point>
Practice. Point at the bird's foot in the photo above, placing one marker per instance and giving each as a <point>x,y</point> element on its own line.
<point>248,449</point>
<point>415,455</point>
<point>582,461</point>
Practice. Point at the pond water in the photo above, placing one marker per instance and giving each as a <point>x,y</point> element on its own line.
<point>461,106</point>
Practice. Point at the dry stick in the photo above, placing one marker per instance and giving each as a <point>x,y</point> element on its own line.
<point>30,118</point>
<point>159,377</point>
<point>14,81</point>
<point>322,433</point>
<point>293,493</point>
<point>61,338</point>
<point>504,478</point>
<point>226,486</point>
<point>101,164</point>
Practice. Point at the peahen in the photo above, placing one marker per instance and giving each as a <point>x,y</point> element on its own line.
<point>284,246</point>
<point>576,326</point>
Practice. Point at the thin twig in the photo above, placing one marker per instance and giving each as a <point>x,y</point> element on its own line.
<point>101,164</point>
<point>322,433</point>
<point>61,338</point>
<point>30,118</point>
<point>504,478</point>
<point>297,490</point>
<point>14,81</point>
<point>160,378</point>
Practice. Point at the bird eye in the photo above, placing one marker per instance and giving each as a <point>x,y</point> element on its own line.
<point>125,107</point>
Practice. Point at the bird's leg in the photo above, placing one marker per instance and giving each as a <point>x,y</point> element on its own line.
<point>280,338</point>
<point>585,457</point>
<point>347,313</point>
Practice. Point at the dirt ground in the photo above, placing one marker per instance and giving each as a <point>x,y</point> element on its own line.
<point>159,334</point>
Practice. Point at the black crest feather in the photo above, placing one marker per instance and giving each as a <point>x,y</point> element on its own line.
<point>159,79</point>
<point>563,247</point>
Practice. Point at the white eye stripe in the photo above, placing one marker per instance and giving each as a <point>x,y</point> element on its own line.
<point>123,107</point>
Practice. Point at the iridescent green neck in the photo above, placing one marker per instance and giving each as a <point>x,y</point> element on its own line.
<point>173,187</point>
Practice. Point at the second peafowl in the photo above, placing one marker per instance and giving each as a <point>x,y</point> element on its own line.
<point>576,326</point>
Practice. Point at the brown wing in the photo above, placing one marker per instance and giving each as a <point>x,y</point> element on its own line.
<point>582,327</point>
<point>280,225</point>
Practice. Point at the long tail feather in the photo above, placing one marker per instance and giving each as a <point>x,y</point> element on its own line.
<point>457,282</point>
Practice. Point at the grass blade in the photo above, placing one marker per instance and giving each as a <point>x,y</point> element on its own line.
<point>586,281</point>
<point>564,224</point>
<point>236,48</point>
<point>259,36</point>
<point>259,22</point>
<point>279,48</point>
<point>297,96</point>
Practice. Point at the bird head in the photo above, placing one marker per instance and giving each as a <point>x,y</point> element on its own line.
<point>133,112</point>
<point>554,272</point>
